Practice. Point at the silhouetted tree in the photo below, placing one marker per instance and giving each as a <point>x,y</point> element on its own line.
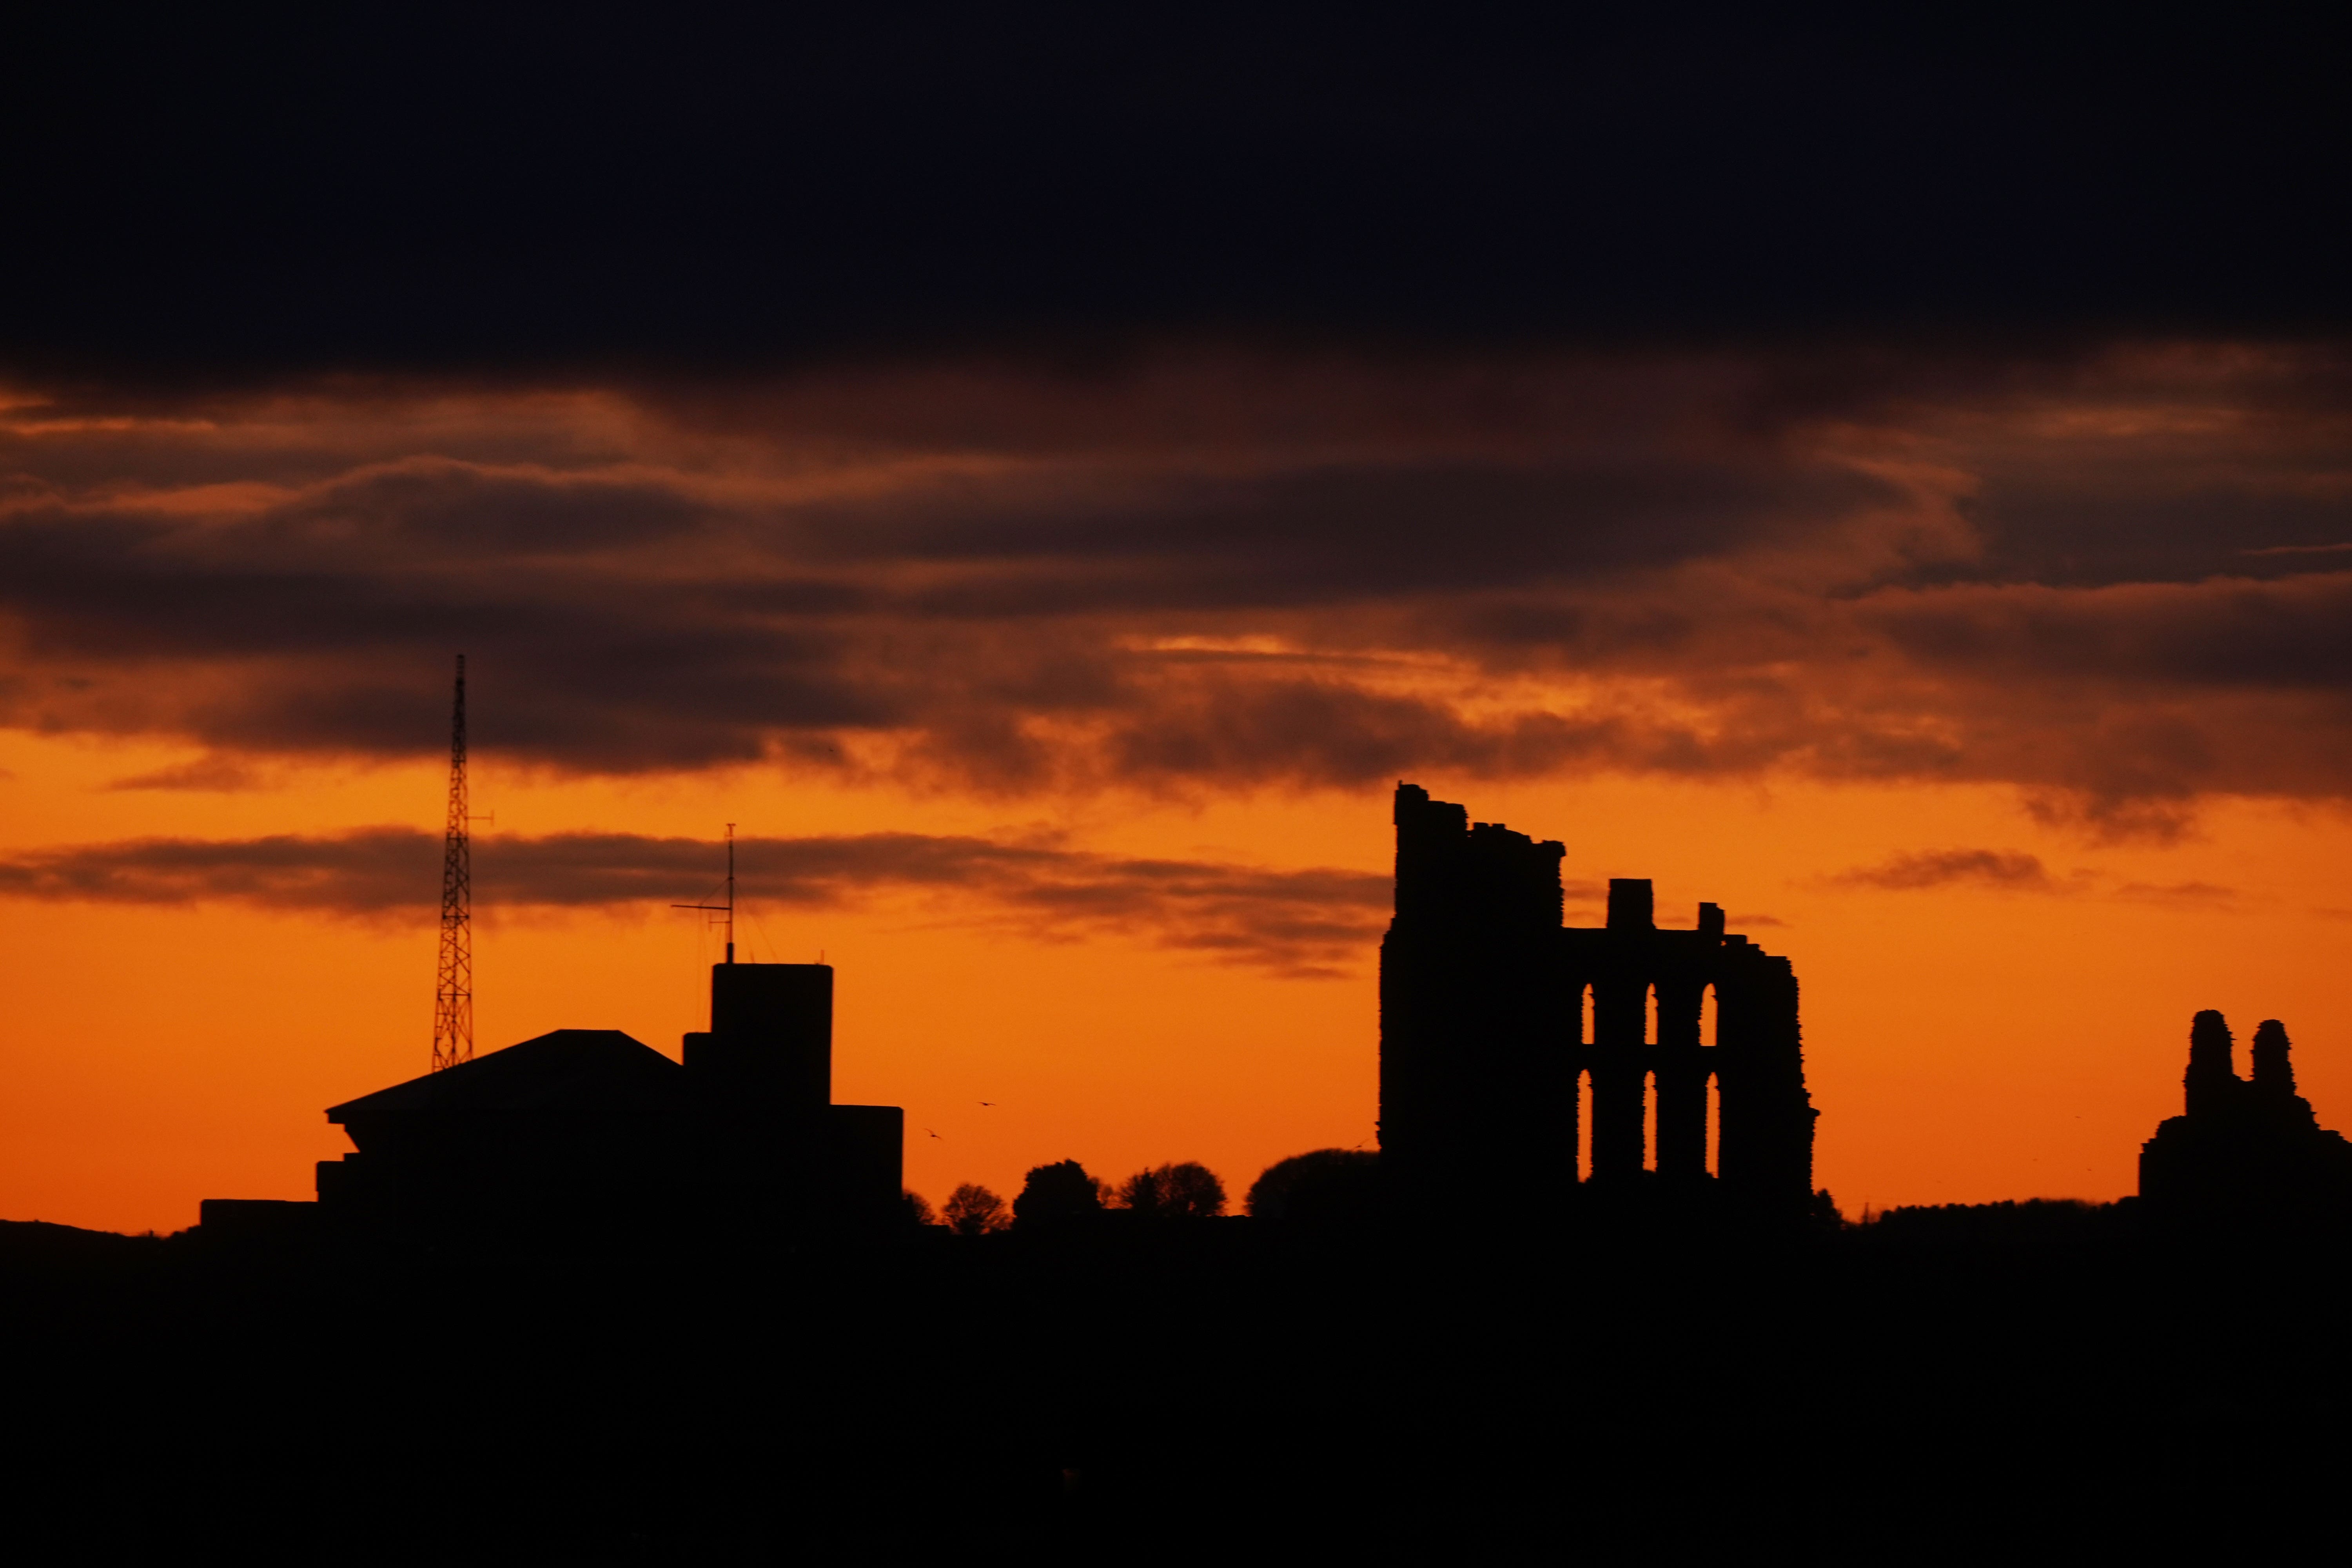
<point>974,1210</point>
<point>1140,1191</point>
<point>1056,1192</point>
<point>1326,1186</point>
<point>1187,1190</point>
<point>919,1208</point>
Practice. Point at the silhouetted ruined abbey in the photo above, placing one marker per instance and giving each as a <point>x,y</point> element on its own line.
<point>1493,1014</point>
<point>2244,1146</point>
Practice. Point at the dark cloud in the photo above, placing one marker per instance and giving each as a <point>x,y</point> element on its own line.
<point>207,774</point>
<point>2111,813</point>
<point>1304,924</point>
<point>366,872</point>
<point>2010,871</point>
<point>2295,635</point>
<point>422,188</point>
<point>2186,894</point>
<point>1374,526</point>
<point>463,508</point>
<point>654,614</point>
<point>1327,733</point>
<point>1214,571</point>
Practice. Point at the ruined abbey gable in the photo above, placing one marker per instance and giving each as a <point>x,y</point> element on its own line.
<point>1497,1021</point>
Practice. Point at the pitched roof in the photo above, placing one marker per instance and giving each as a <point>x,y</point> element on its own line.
<point>566,1067</point>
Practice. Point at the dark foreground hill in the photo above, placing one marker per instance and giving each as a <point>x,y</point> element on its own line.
<point>2066,1384</point>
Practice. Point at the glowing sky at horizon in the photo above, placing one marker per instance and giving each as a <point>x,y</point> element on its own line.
<point>2009,702</point>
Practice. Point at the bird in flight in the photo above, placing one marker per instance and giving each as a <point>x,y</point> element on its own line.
<point>934,1134</point>
<point>987,1102</point>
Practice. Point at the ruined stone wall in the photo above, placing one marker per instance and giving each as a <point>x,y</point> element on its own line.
<point>1482,1047</point>
<point>1468,1006</point>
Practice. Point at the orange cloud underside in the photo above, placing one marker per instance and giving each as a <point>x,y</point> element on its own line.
<point>1966,1042</point>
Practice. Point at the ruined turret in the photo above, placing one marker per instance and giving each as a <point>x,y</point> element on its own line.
<point>2274,1074</point>
<point>2246,1147</point>
<point>2212,1082</point>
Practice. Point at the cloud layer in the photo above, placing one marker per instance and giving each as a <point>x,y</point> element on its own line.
<point>1298,923</point>
<point>2010,870</point>
<point>2109,580</point>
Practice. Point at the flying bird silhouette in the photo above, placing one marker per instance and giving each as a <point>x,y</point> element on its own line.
<point>934,1134</point>
<point>987,1102</point>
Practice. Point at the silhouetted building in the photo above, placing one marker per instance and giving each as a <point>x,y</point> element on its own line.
<point>2244,1145</point>
<point>588,1131</point>
<point>1493,1013</point>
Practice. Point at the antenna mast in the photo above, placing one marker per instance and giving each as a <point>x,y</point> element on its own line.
<point>452,1001</point>
<point>727,909</point>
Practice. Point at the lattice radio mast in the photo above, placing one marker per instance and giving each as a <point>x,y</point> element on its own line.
<point>453,1000</point>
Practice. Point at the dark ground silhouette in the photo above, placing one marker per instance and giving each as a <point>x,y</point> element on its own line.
<point>2030,1379</point>
<point>575,1302</point>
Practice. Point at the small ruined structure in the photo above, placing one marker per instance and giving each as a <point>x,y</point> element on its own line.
<point>2244,1146</point>
<point>587,1135</point>
<point>1494,1016</point>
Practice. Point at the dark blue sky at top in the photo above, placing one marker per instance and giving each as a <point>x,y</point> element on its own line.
<point>199,194</point>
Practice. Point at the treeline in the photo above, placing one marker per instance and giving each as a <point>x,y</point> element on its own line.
<point>1330,1185</point>
<point>2009,1222</point>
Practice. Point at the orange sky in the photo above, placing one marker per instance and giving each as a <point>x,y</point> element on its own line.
<point>2012,696</point>
<point>1964,1045</point>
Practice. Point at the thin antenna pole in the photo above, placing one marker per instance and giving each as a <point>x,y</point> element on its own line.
<point>453,1000</point>
<point>727,909</point>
